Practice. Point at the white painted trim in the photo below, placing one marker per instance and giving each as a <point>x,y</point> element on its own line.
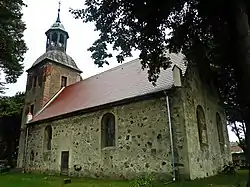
<point>50,101</point>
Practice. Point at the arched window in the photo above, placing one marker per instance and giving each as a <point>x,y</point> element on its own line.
<point>32,155</point>
<point>108,130</point>
<point>54,37</point>
<point>61,40</point>
<point>220,131</point>
<point>47,138</point>
<point>202,127</point>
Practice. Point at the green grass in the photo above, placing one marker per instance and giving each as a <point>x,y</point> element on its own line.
<point>38,180</point>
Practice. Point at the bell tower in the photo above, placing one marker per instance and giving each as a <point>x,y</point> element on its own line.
<point>57,36</point>
<point>46,77</point>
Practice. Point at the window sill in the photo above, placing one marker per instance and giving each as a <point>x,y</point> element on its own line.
<point>109,148</point>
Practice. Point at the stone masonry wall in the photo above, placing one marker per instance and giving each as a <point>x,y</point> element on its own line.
<point>41,94</point>
<point>179,134</point>
<point>142,142</point>
<point>196,92</point>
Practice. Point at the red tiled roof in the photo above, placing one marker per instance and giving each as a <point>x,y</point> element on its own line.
<point>125,81</point>
<point>235,149</point>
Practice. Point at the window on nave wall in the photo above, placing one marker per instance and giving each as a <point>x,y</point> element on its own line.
<point>220,131</point>
<point>202,127</point>
<point>47,138</point>
<point>108,130</point>
<point>32,155</point>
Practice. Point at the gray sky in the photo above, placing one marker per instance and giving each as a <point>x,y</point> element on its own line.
<point>39,16</point>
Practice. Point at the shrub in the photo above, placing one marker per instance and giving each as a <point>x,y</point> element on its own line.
<point>143,181</point>
<point>229,169</point>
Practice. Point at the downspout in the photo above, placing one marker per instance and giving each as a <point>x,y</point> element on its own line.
<point>171,136</point>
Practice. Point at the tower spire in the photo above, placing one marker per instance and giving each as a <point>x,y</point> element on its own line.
<point>58,15</point>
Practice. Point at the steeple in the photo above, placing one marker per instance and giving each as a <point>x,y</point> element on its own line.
<point>58,16</point>
<point>57,36</point>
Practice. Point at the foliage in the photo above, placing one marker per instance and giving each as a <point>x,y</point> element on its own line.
<point>4,169</point>
<point>239,130</point>
<point>10,123</point>
<point>229,169</point>
<point>214,35</point>
<point>142,25</point>
<point>12,45</point>
<point>203,30</point>
<point>143,181</point>
<point>11,106</point>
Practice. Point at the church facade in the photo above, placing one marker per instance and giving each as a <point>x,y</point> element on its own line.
<point>117,124</point>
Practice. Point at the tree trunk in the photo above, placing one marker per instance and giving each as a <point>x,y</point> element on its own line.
<point>242,65</point>
<point>9,153</point>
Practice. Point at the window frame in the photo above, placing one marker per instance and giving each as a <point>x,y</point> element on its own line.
<point>32,109</point>
<point>35,81</point>
<point>48,131</point>
<point>64,78</point>
<point>202,127</point>
<point>108,131</point>
<point>220,132</point>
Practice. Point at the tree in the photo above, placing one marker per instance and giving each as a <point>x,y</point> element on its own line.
<point>12,45</point>
<point>10,123</point>
<point>207,32</point>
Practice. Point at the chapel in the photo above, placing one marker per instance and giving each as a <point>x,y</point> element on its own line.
<point>117,124</point>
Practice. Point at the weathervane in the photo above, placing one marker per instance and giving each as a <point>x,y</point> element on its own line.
<point>58,16</point>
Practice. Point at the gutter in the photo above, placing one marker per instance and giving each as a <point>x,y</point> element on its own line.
<point>171,136</point>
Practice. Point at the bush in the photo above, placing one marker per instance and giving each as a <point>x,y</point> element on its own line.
<point>229,169</point>
<point>143,181</point>
<point>4,168</point>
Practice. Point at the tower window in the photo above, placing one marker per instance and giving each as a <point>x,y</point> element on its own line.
<point>61,40</point>
<point>35,81</point>
<point>32,109</point>
<point>63,81</point>
<point>54,37</point>
<point>108,130</point>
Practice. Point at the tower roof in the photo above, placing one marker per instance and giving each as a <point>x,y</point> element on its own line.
<point>56,45</point>
<point>58,25</point>
<point>58,57</point>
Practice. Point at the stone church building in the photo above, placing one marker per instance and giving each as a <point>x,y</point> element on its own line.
<point>117,124</point>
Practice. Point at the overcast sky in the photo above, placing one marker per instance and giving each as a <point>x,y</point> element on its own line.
<point>39,16</point>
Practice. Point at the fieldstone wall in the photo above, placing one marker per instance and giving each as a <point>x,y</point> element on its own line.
<point>197,92</point>
<point>48,84</point>
<point>142,137</point>
<point>142,143</point>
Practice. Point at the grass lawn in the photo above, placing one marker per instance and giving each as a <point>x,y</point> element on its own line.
<point>35,180</point>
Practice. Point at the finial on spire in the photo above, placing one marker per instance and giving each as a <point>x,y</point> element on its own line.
<point>58,16</point>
